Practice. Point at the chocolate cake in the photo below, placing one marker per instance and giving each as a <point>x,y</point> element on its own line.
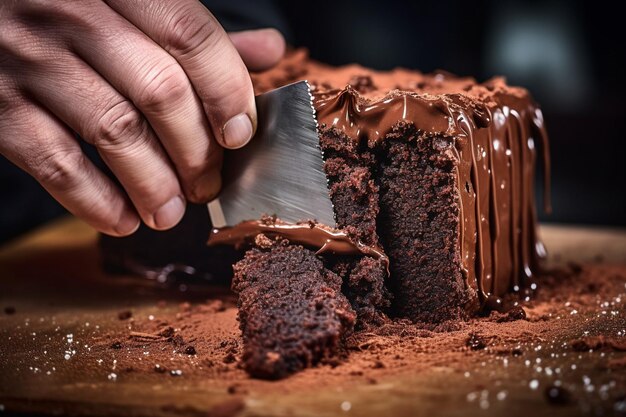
<point>435,171</point>
<point>432,181</point>
<point>292,313</point>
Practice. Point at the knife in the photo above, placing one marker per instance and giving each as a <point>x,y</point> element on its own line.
<point>281,171</point>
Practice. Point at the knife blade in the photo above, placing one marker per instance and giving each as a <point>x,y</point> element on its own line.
<point>281,171</point>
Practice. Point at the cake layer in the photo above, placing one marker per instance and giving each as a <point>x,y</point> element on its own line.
<point>362,268</point>
<point>292,312</point>
<point>419,225</point>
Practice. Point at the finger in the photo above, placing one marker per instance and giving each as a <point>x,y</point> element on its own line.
<point>156,84</point>
<point>88,104</point>
<point>41,145</point>
<point>192,35</point>
<point>260,49</point>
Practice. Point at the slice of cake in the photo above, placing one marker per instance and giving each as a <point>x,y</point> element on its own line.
<point>292,313</point>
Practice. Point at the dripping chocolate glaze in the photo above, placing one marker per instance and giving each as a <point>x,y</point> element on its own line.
<point>324,239</point>
<point>496,130</point>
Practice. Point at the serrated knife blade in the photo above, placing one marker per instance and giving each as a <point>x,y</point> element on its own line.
<point>281,171</point>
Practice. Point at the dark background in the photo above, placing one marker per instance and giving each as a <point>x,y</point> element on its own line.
<point>569,54</point>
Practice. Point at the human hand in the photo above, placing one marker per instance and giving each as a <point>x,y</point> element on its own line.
<point>155,85</point>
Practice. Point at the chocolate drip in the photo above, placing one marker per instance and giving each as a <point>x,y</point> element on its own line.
<point>495,128</point>
<point>320,237</point>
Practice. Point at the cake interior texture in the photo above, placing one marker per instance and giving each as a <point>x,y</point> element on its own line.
<point>434,171</point>
<point>438,172</point>
<point>292,312</point>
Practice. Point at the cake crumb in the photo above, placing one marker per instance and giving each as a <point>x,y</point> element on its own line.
<point>263,242</point>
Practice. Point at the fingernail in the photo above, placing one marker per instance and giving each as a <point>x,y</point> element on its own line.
<point>207,187</point>
<point>127,225</point>
<point>169,214</point>
<point>237,131</point>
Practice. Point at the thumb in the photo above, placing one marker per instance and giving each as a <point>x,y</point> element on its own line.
<point>260,49</point>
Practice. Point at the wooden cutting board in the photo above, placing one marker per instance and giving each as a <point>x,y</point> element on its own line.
<point>58,309</point>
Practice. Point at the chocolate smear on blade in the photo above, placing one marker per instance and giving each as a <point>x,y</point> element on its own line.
<point>310,234</point>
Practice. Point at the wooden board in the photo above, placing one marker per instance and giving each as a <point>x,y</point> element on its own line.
<point>53,280</point>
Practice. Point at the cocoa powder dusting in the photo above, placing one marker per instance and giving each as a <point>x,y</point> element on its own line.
<point>535,339</point>
<point>563,348</point>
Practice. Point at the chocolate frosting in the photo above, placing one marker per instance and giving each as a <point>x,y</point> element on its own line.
<point>495,130</point>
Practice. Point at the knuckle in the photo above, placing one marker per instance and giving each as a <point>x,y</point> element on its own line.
<point>167,86</point>
<point>189,30</point>
<point>57,169</point>
<point>118,127</point>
